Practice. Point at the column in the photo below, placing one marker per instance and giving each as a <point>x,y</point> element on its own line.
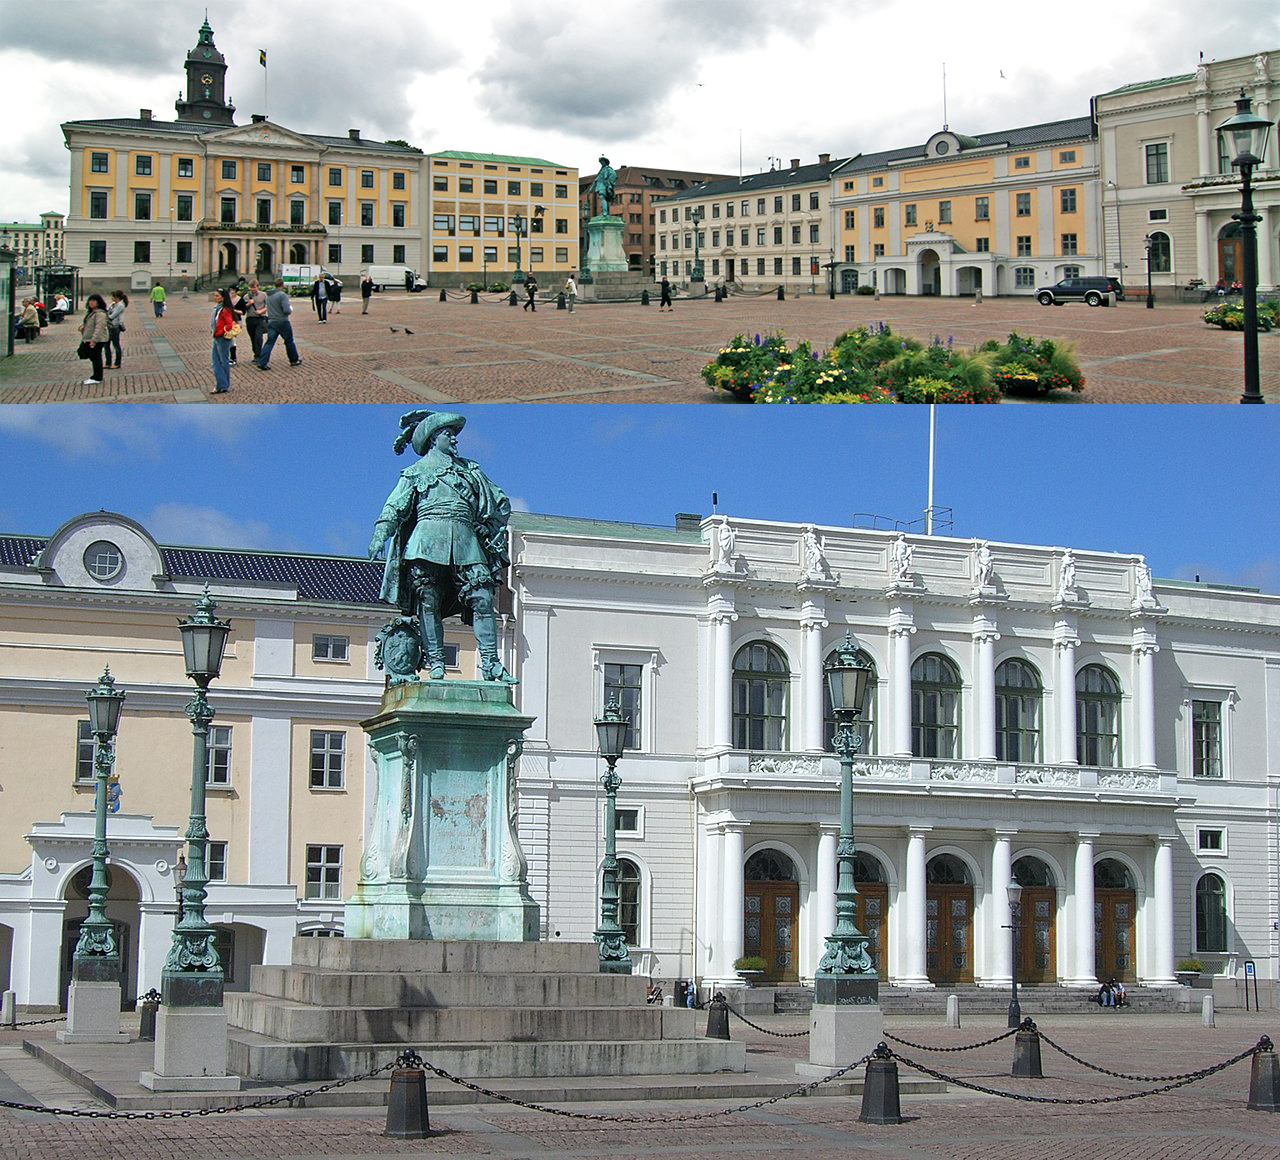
<point>731,896</point>
<point>1001,970</point>
<point>707,955</point>
<point>1160,962</point>
<point>812,622</point>
<point>1206,267</point>
<point>982,743</point>
<point>824,888</point>
<point>912,917</point>
<point>722,618</point>
<point>1204,147</point>
<point>1082,915</point>
<point>1144,663</point>
<point>1266,245</point>
<point>1064,645</point>
<point>900,630</point>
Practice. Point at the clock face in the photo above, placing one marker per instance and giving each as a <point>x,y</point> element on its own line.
<point>206,79</point>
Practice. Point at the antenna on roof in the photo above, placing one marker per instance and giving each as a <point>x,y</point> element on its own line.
<point>944,96</point>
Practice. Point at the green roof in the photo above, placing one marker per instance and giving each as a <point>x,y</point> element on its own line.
<point>459,155</point>
<point>574,526</point>
<point>1135,87</point>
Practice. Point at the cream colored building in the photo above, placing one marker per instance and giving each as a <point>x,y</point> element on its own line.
<point>1166,174</point>
<point>287,777</point>
<point>35,243</point>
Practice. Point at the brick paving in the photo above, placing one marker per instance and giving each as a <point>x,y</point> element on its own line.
<point>1205,1121</point>
<point>607,353</point>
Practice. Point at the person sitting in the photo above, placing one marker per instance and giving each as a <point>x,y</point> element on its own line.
<point>1106,997</point>
<point>61,308</point>
<point>29,320</point>
<point>1117,993</point>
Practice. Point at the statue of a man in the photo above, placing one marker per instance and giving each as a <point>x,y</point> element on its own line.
<point>603,184</point>
<point>447,524</point>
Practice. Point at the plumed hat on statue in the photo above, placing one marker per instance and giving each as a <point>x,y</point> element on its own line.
<point>420,427</point>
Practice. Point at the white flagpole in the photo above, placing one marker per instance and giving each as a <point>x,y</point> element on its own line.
<point>928,512</point>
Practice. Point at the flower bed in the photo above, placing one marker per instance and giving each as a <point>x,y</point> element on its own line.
<point>1230,315</point>
<point>1034,364</point>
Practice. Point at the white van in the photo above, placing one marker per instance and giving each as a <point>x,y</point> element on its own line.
<point>396,277</point>
<point>304,275</point>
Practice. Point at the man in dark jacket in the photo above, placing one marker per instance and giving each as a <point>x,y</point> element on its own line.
<point>366,292</point>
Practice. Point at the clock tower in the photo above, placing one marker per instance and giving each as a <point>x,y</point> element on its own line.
<point>206,84</point>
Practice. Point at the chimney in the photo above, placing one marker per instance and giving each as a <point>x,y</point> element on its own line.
<point>144,114</point>
<point>688,522</point>
<point>354,134</point>
<point>795,163</point>
<point>258,118</point>
<point>823,158</point>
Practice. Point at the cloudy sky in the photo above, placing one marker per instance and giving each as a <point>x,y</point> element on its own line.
<point>312,479</point>
<point>665,83</point>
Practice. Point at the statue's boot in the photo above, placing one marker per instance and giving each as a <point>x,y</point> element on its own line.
<point>432,642</point>
<point>486,626</point>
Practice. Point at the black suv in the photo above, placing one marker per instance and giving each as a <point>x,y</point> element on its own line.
<point>1091,290</point>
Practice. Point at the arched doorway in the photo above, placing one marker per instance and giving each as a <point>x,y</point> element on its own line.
<point>873,908</point>
<point>122,910</point>
<point>929,266</point>
<point>1037,940</point>
<point>298,254</point>
<point>848,281</point>
<point>228,258</point>
<point>968,281</point>
<point>1114,907</point>
<point>266,259</point>
<point>1231,253</point>
<point>948,921</point>
<point>771,899</point>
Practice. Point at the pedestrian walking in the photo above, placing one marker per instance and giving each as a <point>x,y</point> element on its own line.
<point>320,300</point>
<point>224,328</point>
<point>335,295</point>
<point>366,292</point>
<point>253,308</point>
<point>278,326</point>
<point>531,289</point>
<point>115,325</point>
<point>570,292</point>
<point>157,299</point>
<point>664,303</point>
<point>94,333</point>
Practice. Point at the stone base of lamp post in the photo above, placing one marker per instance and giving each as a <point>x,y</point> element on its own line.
<point>841,1034</point>
<point>93,1008</point>
<point>191,1052</point>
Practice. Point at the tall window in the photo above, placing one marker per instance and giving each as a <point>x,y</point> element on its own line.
<point>622,687</point>
<point>227,209</point>
<point>1018,698</point>
<point>328,756</point>
<point>324,872</point>
<point>629,900</point>
<point>877,217</point>
<point>98,203</point>
<point>264,170</point>
<point>335,213</point>
<point>910,211</point>
<point>760,683</point>
<point>335,176</point>
<point>1070,245</point>
<point>1161,253</point>
<point>1068,201</point>
<point>366,213</point>
<point>297,175</point>
<point>297,213</point>
<point>141,253</point>
<point>981,209</point>
<point>186,167</point>
<point>1211,915</point>
<point>84,751</point>
<point>98,163</point>
<point>1022,204</point>
<point>867,721</point>
<point>1024,245</point>
<point>215,861</point>
<point>1158,163</point>
<point>142,165</point>
<point>142,207</point>
<point>98,250</point>
<point>217,766</point>
<point>944,211</point>
<point>935,707</point>
<point>1097,716</point>
<point>1206,738</point>
<point>228,171</point>
<point>366,179</point>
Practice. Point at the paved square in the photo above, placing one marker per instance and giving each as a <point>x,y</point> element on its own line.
<point>492,352</point>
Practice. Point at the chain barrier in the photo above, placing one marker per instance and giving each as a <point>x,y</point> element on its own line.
<point>765,1030</point>
<point>967,1047</point>
<point>1121,1074</point>
<point>1191,1078</point>
<point>32,1022</point>
<point>403,1060</point>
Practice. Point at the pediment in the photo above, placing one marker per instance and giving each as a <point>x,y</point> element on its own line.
<point>260,135</point>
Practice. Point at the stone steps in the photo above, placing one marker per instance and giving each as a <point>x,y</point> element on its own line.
<point>1033,1000</point>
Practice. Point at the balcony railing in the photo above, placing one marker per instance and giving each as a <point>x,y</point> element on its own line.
<point>213,225</point>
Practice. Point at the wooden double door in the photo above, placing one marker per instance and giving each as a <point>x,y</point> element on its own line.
<point>769,928</point>
<point>1113,930</point>
<point>1037,939</point>
<point>949,934</point>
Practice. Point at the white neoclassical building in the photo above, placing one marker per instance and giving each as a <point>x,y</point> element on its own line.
<point>1035,713</point>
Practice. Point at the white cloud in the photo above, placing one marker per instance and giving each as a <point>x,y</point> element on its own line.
<point>188,524</point>
<point>114,433</point>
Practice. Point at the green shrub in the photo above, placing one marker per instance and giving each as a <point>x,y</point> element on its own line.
<point>931,390</point>
<point>742,365</point>
<point>498,287</point>
<point>750,963</point>
<point>868,290</point>
<point>1230,315</point>
<point>1031,364</point>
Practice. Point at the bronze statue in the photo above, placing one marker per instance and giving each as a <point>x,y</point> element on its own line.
<point>603,184</point>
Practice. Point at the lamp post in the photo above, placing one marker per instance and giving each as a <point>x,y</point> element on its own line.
<point>831,275</point>
<point>1249,134</point>
<point>846,678</point>
<point>93,1007</point>
<point>518,223</point>
<point>1119,235</point>
<point>611,732</point>
<point>698,214</point>
<point>1015,929</point>
<point>179,877</point>
<point>1150,297</point>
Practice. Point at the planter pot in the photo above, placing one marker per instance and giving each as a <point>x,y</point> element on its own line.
<point>1187,978</point>
<point>751,978</point>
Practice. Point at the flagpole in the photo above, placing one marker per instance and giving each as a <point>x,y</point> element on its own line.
<point>262,57</point>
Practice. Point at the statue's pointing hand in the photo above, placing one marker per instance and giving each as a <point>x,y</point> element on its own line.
<point>377,547</point>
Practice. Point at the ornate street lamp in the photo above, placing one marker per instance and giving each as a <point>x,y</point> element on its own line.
<point>1015,929</point>
<point>1248,134</point>
<point>518,223</point>
<point>697,216</point>
<point>611,732</point>
<point>1150,298</point>
<point>846,678</point>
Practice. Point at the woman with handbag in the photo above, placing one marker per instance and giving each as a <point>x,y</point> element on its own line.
<point>224,326</point>
<point>94,333</point>
<point>115,324</point>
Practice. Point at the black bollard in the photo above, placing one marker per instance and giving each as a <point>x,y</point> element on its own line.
<point>1026,1051</point>
<point>443,297</point>
<point>782,297</point>
<point>560,301</point>
<point>1264,1078</point>
<point>513,300</point>
<point>475,297</point>
<point>880,1102</point>
<point>407,1116</point>
<point>148,1005</point>
<point>718,1017</point>
<point>644,297</point>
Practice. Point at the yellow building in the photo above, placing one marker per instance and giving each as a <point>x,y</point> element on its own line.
<point>492,214</point>
<point>288,777</point>
<point>1000,213</point>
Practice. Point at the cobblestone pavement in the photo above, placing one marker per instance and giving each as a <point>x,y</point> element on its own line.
<point>1204,1121</point>
<point>602,353</point>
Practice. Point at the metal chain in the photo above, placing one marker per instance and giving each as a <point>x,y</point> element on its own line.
<point>32,1022</point>
<point>1121,1074</point>
<point>1203,1074</point>
<point>765,1030</point>
<point>967,1047</point>
<point>187,1113</point>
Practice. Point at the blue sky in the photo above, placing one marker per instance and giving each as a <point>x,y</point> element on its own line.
<point>1194,488</point>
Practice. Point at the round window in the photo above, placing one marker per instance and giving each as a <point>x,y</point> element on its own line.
<point>103,560</point>
<point>941,147</point>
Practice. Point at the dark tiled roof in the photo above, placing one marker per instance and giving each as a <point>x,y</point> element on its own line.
<point>773,179</point>
<point>1026,137</point>
<point>19,551</point>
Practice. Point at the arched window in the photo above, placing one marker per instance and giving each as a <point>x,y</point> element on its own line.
<point>1161,253</point>
<point>947,870</point>
<point>629,900</point>
<point>867,722</point>
<point>1097,717</point>
<point>769,866</point>
<point>760,684</point>
<point>1211,915</point>
<point>935,707</point>
<point>1108,874</point>
<point>867,869</point>
<point>1018,697</point>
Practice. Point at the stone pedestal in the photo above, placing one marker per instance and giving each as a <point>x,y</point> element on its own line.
<point>845,1025</point>
<point>604,245</point>
<point>93,1013</point>
<point>442,859</point>
<point>191,1052</point>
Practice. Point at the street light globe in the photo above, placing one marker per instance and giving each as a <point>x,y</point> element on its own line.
<point>1248,133</point>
